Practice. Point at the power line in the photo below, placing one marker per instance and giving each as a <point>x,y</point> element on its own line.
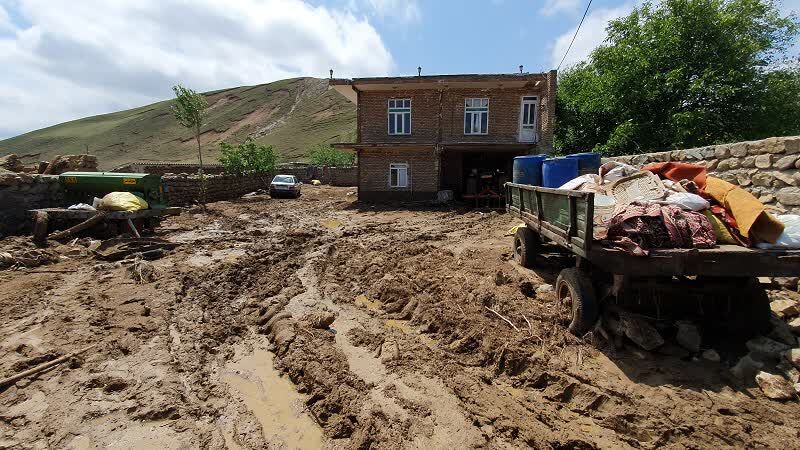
<point>575,35</point>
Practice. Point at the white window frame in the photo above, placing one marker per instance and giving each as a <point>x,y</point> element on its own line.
<point>471,109</point>
<point>393,111</point>
<point>398,167</point>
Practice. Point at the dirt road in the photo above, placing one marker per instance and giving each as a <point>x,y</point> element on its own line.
<point>233,346</point>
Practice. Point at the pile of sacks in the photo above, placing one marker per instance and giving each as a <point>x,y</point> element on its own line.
<point>677,205</point>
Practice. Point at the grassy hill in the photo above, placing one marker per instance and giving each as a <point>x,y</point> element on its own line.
<point>291,115</point>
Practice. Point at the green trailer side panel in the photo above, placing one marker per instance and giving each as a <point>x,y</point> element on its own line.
<point>82,186</point>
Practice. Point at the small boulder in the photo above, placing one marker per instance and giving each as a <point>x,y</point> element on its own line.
<point>766,347</point>
<point>641,332</point>
<point>527,289</point>
<point>793,356</point>
<point>785,307</point>
<point>501,278</point>
<point>775,387</point>
<point>321,320</point>
<point>746,367</point>
<point>11,163</point>
<point>794,325</point>
<point>389,351</point>
<point>688,335</point>
<point>781,332</point>
<point>711,355</point>
<point>544,289</point>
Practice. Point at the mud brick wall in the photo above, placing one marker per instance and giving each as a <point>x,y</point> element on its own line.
<point>334,176</point>
<point>157,168</point>
<point>20,193</point>
<point>769,168</point>
<point>184,190</point>
<point>423,174</point>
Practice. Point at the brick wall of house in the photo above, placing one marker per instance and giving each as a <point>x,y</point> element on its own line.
<point>423,174</point>
<point>504,106</point>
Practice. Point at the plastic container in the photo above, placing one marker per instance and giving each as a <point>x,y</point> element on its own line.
<point>557,171</point>
<point>587,162</point>
<point>528,169</point>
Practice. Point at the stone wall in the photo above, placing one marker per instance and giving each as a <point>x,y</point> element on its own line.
<point>157,168</point>
<point>334,176</point>
<point>20,192</point>
<point>185,189</point>
<point>769,168</point>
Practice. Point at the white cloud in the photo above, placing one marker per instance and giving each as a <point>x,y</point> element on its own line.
<point>553,7</point>
<point>591,35</point>
<point>403,11</point>
<point>94,56</point>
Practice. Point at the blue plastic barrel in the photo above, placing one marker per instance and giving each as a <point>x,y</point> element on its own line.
<point>557,171</point>
<point>587,162</point>
<point>528,169</point>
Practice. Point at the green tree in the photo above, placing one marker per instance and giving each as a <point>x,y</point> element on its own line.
<point>190,111</point>
<point>247,158</point>
<point>683,73</point>
<point>324,155</point>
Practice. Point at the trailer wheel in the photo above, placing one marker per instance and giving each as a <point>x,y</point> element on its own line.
<point>526,246</point>
<point>575,293</point>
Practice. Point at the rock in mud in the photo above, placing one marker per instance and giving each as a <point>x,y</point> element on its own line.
<point>711,355</point>
<point>641,332</point>
<point>781,332</point>
<point>794,325</point>
<point>544,289</point>
<point>501,278</point>
<point>793,356</point>
<point>746,367</point>
<point>785,307</point>
<point>688,335</point>
<point>775,387</point>
<point>390,351</point>
<point>321,320</point>
<point>765,347</point>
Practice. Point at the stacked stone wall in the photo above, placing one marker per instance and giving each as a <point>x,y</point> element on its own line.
<point>768,168</point>
<point>20,193</point>
<point>184,190</point>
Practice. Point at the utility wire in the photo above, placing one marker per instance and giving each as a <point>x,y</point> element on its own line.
<point>574,35</point>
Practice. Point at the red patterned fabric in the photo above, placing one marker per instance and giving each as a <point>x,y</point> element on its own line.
<point>641,226</point>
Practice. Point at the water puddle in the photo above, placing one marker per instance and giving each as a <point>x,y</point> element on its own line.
<point>364,302</point>
<point>273,400</point>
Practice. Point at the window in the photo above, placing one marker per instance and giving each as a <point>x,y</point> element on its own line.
<point>476,116</point>
<point>400,116</point>
<point>398,175</point>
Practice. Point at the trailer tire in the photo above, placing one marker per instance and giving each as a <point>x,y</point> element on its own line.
<point>574,291</point>
<point>526,246</point>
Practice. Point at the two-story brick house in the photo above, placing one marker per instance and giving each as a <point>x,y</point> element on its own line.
<point>420,135</point>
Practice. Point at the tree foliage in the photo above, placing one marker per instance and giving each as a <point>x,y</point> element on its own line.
<point>683,73</point>
<point>247,158</point>
<point>327,156</point>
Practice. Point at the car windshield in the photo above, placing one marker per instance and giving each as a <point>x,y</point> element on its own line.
<point>283,179</point>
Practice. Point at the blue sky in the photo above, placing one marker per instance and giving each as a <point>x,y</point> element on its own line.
<point>67,59</point>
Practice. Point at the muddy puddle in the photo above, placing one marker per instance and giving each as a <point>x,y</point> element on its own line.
<point>272,399</point>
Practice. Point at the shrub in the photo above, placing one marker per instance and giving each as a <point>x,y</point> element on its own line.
<point>327,156</point>
<point>247,158</point>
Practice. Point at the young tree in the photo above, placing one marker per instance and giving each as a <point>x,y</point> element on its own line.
<point>190,111</point>
<point>682,73</point>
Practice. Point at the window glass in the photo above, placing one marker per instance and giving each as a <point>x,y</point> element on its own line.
<point>399,116</point>
<point>476,116</point>
<point>398,175</point>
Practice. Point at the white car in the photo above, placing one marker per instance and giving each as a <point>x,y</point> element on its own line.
<point>285,185</point>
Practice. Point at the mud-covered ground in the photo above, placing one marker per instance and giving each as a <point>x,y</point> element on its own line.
<point>319,323</point>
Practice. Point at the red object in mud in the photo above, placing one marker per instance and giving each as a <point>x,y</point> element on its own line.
<point>676,171</point>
